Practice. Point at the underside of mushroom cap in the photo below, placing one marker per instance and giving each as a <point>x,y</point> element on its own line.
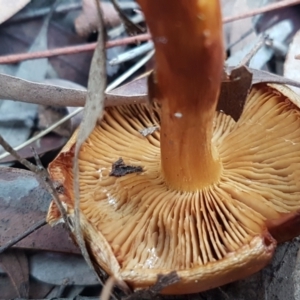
<point>136,227</point>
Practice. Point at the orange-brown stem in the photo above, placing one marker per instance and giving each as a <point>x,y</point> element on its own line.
<point>189,61</point>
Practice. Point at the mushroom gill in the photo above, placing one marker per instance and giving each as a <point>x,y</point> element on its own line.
<point>153,229</point>
<point>210,194</point>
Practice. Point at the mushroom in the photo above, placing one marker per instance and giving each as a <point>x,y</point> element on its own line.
<point>203,195</point>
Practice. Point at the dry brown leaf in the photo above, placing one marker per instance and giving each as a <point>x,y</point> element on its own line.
<point>14,88</point>
<point>93,111</point>
<point>88,20</point>
<point>239,80</point>
<point>9,8</point>
<point>15,264</point>
<point>292,65</point>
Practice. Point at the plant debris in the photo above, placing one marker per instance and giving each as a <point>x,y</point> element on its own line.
<point>240,81</point>
<point>149,130</point>
<point>119,169</point>
<point>163,281</point>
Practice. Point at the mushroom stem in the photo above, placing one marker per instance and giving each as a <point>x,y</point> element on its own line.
<point>189,61</point>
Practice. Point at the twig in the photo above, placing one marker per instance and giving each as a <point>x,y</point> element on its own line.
<point>133,69</point>
<point>14,58</point>
<point>118,30</point>
<point>20,237</point>
<point>43,133</point>
<point>133,53</point>
<point>42,173</point>
<point>163,281</point>
<point>107,289</point>
<point>260,42</point>
<point>261,10</point>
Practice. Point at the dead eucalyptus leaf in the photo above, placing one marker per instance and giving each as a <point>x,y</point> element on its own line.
<point>137,90</point>
<point>14,88</point>
<point>232,103</point>
<point>49,142</point>
<point>15,264</point>
<point>23,202</point>
<point>35,70</point>
<point>260,76</point>
<point>93,111</point>
<point>9,8</point>
<point>87,22</point>
<point>51,114</point>
<point>56,268</point>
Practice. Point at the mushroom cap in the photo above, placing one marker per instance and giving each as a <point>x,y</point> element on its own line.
<point>136,227</point>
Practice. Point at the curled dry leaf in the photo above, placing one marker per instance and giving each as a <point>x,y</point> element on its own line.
<point>88,21</point>
<point>9,8</point>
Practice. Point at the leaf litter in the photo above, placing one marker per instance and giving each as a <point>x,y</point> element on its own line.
<point>263,285</point>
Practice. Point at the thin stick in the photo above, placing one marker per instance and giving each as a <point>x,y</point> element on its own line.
<point>20,237</point>
<point>41,134</point>
<point>261,10</point>
<point>14,58</point>
<point>260,42</point>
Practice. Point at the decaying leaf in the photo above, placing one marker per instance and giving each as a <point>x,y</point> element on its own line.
<point>238,80</point>
<point>119,169</point>
<point>24,201</point>
<point>88,21</point>
<point>94,109</point>
<point>31,70</point>
<point>9,8</point>
<point>49,142</point>
<point>57,268</point>
<point>15,264</point>
<point>14,88</point>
